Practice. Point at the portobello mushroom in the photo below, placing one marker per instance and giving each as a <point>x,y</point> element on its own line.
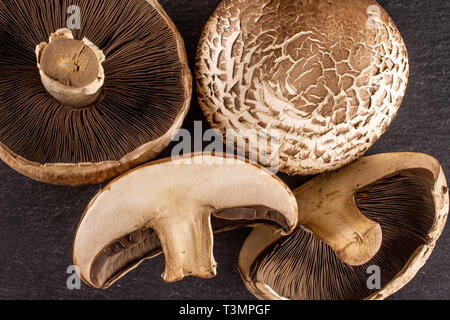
<point>99,100</point>
<point>167,206</point>
<point>311,83</point>
<point>406,193</point>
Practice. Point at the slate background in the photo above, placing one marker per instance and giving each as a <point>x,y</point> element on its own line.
<point>38,221</point>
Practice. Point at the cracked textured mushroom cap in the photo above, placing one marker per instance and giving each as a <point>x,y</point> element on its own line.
<point>168,205</point>
<point>83,106</point>
<point>406,193</point>
<point>322,80</point>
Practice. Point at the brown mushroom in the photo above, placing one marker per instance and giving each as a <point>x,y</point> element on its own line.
<point>98,100</point>
<point>321,80</point>
<point>168,204</point>
<point>406,193</point>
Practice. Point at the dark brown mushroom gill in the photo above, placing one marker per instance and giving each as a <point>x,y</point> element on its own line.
<point>125,253</point>
<point>142,95</point>
<point>303,267</point>
<point>122,255</point>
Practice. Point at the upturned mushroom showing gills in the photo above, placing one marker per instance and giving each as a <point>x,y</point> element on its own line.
<point>321,80</point>
<point>168,205</point>
<point>83,105</point>
<point>405,193</point>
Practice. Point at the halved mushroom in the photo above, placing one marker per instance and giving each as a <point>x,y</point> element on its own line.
<point>406,193</point>
<point>100,99</point>
<point>168,204</point>
<point>319,81</point>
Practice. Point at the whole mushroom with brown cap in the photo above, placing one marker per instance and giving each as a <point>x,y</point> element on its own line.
<point>321,80</point>
<point>85,105</point>
<point>168,206</point>
<point>406,193</point>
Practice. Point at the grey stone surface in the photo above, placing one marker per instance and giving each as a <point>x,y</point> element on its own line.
<point>38,221</point>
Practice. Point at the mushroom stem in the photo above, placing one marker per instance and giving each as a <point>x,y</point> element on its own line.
<point>328,209</point>
<point>354,238</point>
<point>71,70</point>
<point>327,204</point>
<point>188,246</point>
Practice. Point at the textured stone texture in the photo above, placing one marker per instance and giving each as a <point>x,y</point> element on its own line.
<point>38,222</point>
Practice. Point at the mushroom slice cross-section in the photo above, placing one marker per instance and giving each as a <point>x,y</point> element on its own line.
<point>168,204</point>
<point>82,106</point>
<point>405,193</point>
